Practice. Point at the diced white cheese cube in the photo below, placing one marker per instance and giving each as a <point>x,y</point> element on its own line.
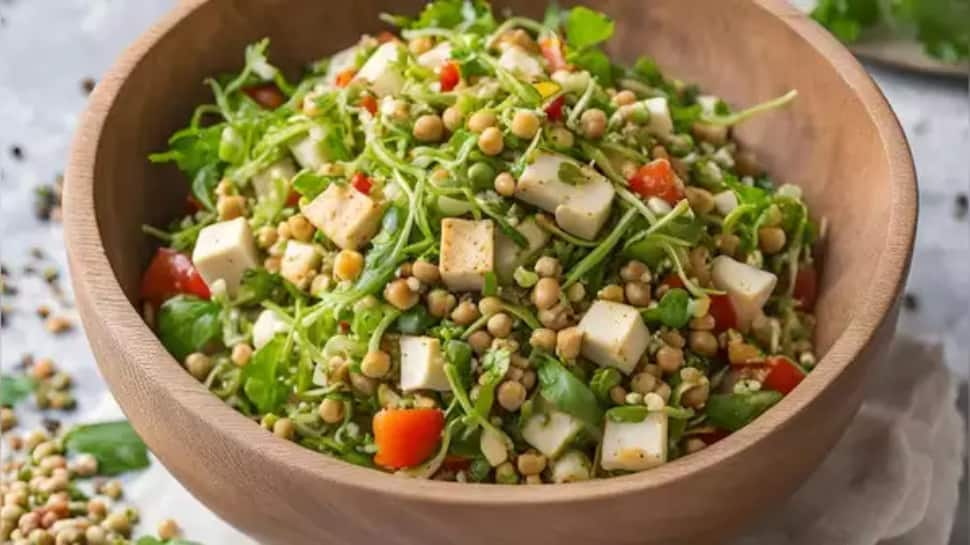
<point>467,253</point>
<point>492,445</point>
<point>308,151</point>
<point>551,433</point>
<point>747,287</point>
<point>263,183</point>
<point>268,325</point>
<point>725,202</point>
<point>509,255</point>
<point>659,206</point>
<point>340,61</point>
<point>708,104</point>
<point>300,262</point>
<point>224,251</point>
<point>635,446</point>
<point>660,122</point>
<point>382,71</point>
<point>520,63</point>
<point>422,364</point>
<point>571,467</point>
<point>580,209</point>
<point>614,335</point>
<point>348,217</point>
<point>433,58</point>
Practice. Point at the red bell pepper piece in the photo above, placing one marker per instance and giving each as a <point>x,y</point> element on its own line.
<point>449,76</point>
<point>806,288</point>
<point>554,52</point>
<point>362,183</point>
<point>723,312</point>
<point>406,437</point>
<point>657,179</point>
<point>783,375</point>
<point>554,109</point>
<point>369,103</point>
<point>344,77</point>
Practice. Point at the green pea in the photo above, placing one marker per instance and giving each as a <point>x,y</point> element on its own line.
<point>482,176</point>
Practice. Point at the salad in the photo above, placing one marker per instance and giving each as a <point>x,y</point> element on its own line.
<point>481,251</point>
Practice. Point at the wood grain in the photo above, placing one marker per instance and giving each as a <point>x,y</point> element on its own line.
<point>840,142</point>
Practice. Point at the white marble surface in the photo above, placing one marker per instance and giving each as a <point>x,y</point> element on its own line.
<point>48,46</point>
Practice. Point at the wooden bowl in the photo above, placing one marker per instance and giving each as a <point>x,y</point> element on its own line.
<point>840,142</point>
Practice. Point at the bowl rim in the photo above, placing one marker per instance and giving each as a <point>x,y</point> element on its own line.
<point>92,273</point>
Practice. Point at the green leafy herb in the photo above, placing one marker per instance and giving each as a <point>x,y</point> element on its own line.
<point>496,364</point>
<point>490,286</point>
<point>604,380</point>
<point>310,184</point>
<point>734,411</point>
<point>187,324</point>
<point>261,382</point>
<point>14,388</point>
<point>628,413</point>
<point>571,173</point>
<point>459,355</point>
<point>258,285</point>
<point>672,311</point>
<point>569,394</point>
<point>587,28</point>
<point>115,445</point>
<point>415,321</point>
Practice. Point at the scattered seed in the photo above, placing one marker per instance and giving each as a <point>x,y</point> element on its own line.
<point>52,425</point>
<point>17,152</point>
<point>910,302</point>
<point>87,85</point>
<point>58,324</point>
<point>43,311</point>
<point>962,206</point>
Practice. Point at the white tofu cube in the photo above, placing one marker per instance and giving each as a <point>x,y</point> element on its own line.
<point>268,325</point>
<point>467,253</point>
<point>520,63</point>
<point>509,255</point>
<point>300,262</point>
<point>635,446</point>
<point>433,58</point>
<point>382,71</point>
<point>660,122</point>
<point>614,335</point>
<point>708,104</point>
<point>571,467</point>
<point>422,364</point>
<point>348,217</point>
<point>551,433</point>
<point>308,151</point>
<point>725,202</point>
<point>747,287</point>
<point>263,183</point>
<point>580,209</point>
<point>224,251</point>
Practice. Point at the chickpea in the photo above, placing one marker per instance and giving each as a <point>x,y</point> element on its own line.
<point>505,184</point>
<point>548,266</point>
<point>284,429</point>
<point>618,395</point>
<point>420,45</point>
<point>266,236</point>
<point>643,383</point>
<point>511,395</point>
<point>635,271</point>
<point>241,353</point>
<point>428,128</point>
<point>348,264</point>
<point>561,137</point>
<point>118,522</point>
<point>452,118</point>
<point>659,152</point>
<point>490,141</point>
<point>363,384</point>
<point>696,397</point>
<point>670,359</point>
<point>8,420</point>
<point>231,207</point>
<point>746,163</point>
<point>198,365</point>
<point>637,293</point>
<point>663,390</point>
<point>43,368</point>
<point>728,243</point>
<point>440,303</point>
<point>531,463</point>
<point>525,124</point>
<point>480,341</point>
<point>331,410</point>
<point>555,318</point>
<point>95,535</point>
<point>701,200</point>
<point>694,444</point>
<point>300,228</point>
<point>545,294</point>
<point>624,98</point>
<point>706,132</point>
<point>543,339</point>
<point>426,272</point>
<point>569,342</point>
<point>703,342</point>
<point>741,353</point>
<point>168,529</point>
<point>703,323</point>
<point>376,364</point>
<point>465,313</point>
<point>593,123</point>
<point>399,294</point>
<point>611,292</point>
<point>528,379</point>
<point>771,240</point>
<point>500,325</point>
<point>576,292</point>
<point>481,120</point>
<point>490,305</point>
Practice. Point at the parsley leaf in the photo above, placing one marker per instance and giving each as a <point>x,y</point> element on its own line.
<point>187,324</point>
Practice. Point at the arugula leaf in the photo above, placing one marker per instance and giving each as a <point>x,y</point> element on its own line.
<point>496,364</point>
<point>604,379</point>
<point>381,261</point>
<point>586,28</point>
<point>847,18</point>
<point>569,394</point>
<point>14,388</point>
<point>732,412</point>
<point>310,184</point>
<point>446,331</point>
<point>260,380</point>
<point>115,445</point>
<point>187,324</point>
<point>258,285</point>
<point>470,15</point>
<point>415,321</point>
<point>459,355</point>
<point>672,311</point>
<point>192,148</point>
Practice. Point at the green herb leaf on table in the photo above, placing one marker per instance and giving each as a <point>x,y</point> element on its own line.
<point>187,324</point>
<point>115,445</point>
<point>15,388</point>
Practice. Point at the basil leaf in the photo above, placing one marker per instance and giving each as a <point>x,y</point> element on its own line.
<point>604,380</point>
<point>187,324</point>
<point>569,394</point>
<point>115,445</point>
<point>672,311</point>
<point>14,388</point>
<point>628,413</point>
<point>732,412</point>
<point>586,28</point>
<point>415,321</point>
<point>261,384</point>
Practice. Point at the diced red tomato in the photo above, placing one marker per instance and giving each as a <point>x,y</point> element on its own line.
<point>344,77</point>
<point>267,95</point>
<point>169,274</point>
<point>672,281</point>
<point>456,463</point>
<point>362,183</point>
<point>657,179</point>
<point>385,36</point>
<point>292,198</point>
<point>192,204</point>
<point>449,76</point>
<point>723,312</point>
<point>714,436</point>
<point>344,326</point>
<point>806,288</point>
<point>406,437</point>
<point>783,375</point>
<point>369,103</point>
<point>554,53</point>
<point>554,109</point>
